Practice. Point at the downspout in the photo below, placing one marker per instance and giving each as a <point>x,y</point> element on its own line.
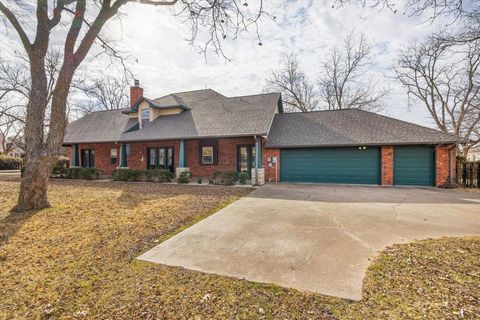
<point>451,168</point>
<point>256,160</point>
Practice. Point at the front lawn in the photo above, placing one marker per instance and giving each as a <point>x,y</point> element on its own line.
<point>77,260</point>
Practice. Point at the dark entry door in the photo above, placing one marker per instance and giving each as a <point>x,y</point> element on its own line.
<point>160,158</point>
<point>245,158</point>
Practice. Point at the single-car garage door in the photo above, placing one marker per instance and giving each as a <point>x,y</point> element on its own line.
<point>331,165</point>
<point>413,165</point>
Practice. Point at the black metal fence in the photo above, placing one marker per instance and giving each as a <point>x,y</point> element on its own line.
<point>468,174</point>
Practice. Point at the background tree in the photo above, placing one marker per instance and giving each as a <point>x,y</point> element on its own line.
<point>10,133</point>
<point>297,92</point>
<point>103,92</point>
<point>14,87</point>
<point>342,84</point>
<point>81,22</point>
<point>457,9</point>
<point>343,81</point>
<point>443,76</point>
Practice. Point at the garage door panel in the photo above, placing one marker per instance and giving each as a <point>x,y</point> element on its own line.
<point>413,165</point>
<point>331,165</point>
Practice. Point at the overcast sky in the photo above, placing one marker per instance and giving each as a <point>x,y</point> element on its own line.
<point>167,63</point>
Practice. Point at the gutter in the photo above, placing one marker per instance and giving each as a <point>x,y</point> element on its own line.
<point>283,146</point>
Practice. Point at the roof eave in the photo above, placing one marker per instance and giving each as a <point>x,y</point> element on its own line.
<point>193,137</point>
<point>290,146</point>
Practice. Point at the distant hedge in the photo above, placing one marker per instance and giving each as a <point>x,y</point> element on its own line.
<point>161,175</point>
<point>10,163</point>
<point>76,173</point>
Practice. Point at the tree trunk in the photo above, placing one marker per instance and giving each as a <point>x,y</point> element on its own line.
<point>33,188</point>
<point>34,183</point>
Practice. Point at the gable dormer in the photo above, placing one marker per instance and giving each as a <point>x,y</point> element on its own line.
<point>146,110</point>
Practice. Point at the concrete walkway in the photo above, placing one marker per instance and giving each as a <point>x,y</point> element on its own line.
<point>318,238</point>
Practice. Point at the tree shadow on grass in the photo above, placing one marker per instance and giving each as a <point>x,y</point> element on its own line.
<point>12,223</point>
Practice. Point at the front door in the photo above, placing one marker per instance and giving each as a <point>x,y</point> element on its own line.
<point>245,159</point>
<point>160,158</point>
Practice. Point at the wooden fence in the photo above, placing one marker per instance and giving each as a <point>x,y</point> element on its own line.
<point>468,174</point>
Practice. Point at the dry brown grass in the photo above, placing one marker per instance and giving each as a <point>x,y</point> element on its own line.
<point>76,260</point>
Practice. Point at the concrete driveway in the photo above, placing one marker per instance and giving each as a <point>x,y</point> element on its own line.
<point>318,238</point>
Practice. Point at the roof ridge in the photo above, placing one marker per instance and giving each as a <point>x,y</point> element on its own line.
<point>188,91</point>
<point>254,95</point>
<point>112,110</point>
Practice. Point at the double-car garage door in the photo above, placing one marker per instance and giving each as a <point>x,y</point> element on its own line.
<point>413,165</point>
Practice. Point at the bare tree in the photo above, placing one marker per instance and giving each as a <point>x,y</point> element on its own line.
<point>11,131</point>
<point>343,81</point>
<point>434,8</point>
<point>103,93</point>
<point>297,92</point>
<point>14,88</point>
<point>465,14</point>
<point>81,22</point>
<point>444,78</point>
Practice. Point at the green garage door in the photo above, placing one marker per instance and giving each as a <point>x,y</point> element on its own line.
<point>413,165</point>
<point>331,165</point>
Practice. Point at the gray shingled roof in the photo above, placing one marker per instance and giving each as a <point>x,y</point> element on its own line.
<point>101,126</point>
<point>170,100</point>
<point>210,115</point>
<point>348,128</point>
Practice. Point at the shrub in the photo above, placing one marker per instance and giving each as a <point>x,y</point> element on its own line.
<point>199,180</point>
<point>128,174</point>
<point>10,163</point>
<point>242,177</point>
<point>161,175</point>
<point>184,177</point>
<point>80,173</point>
<point>224,178</point>
<point>59,172</point>
<point>62,162</point>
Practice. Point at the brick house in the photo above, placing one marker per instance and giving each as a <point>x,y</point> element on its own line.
<point>203,131</point>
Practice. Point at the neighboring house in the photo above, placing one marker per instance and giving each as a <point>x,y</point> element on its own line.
<point>203,132</point>
<point>16,152</point>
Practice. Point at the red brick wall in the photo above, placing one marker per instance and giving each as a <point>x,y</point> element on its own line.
<point>271,173</point>
<point>138,152</point>
<point>442,162</point>
<point>387,165</point>
<point>227,156</point>
<point>102,155</point>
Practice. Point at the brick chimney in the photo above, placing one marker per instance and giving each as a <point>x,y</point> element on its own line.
<point>136,93</point>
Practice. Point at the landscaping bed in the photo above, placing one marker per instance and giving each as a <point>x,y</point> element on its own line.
<point>77,260</point>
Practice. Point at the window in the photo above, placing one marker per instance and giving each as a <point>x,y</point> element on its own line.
<point>113,156</point>
<point>208,152</point>
<point>207,155</point>
<point>145,116</point>
<point>160,158</point>
<point>88,158</point>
